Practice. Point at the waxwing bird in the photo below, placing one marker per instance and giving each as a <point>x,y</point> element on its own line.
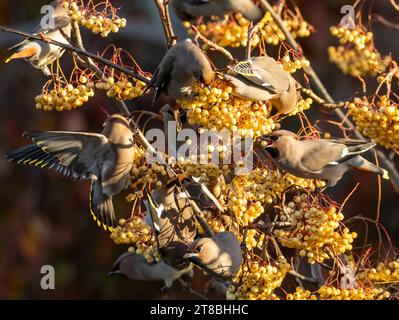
<point>264,79</point>
<point>188,10</point>
<point>106,159</point>
<point>220,256</point>
<point>173,221</point>
<point>41,54</point>
<point>319,158</point>
<point>136,267</point>
<point>182,66</point>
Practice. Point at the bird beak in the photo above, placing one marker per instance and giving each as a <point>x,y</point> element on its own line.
<point>265,142</point>
<point>25,53</point>
<point>190,255</point>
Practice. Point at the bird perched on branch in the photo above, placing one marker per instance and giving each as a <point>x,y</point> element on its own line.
<point>104,158</point>
<point>264,79</point>
<point>188,10</point>
<point>57,27</point>
<point>182,66</point>
<point>173,221</point>
<point>319,158</point>
<point>136,267</point>
<point>219,256</point>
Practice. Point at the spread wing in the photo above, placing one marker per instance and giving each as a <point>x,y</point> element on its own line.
<point>76,154</point>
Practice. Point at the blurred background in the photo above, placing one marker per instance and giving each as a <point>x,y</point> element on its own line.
<point>45,219</point>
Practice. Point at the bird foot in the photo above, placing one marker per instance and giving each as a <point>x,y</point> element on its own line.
<point>165,291</point>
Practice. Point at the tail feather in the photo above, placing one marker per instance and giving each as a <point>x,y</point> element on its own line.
<point>359,163</point>
<point>101,207</point>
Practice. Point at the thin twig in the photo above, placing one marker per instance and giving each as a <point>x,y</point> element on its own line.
<point>251,31</point>
<point>211,44</point>
<point>385,22</point>
<point>302,277</point>
<point>310,93</point>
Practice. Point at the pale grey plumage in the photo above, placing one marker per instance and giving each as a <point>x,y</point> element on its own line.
<point>136,267</point>
<point>220,256</point>
<point>188,10</point>
<point>264,79</point>
<point>41,54</point>
<point>104,158</point>
<point>179,70</point>
<point>319,158</point>
<point>174,223</point>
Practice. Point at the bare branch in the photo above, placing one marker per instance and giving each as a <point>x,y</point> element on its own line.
<point>211,44</point>
<point>385,22</point>
<point>310,93</point>
<point>163,9</point>
<point>302,277</point>
<point>395,5</point>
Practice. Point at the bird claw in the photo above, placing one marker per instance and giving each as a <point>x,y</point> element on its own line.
<point>165,290</point>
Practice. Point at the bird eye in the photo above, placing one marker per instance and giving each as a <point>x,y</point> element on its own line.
<point>198,249</point>
<point>274,138</point>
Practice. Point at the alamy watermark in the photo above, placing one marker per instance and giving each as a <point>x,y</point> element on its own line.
<point>47,22</point>
<point>47,281</point>
<point>348,20</point>
<point>201,146</point>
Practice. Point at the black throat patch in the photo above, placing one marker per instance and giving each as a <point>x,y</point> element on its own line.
<point>273,152</point>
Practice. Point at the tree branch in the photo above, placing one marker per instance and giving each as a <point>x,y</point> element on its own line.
<point>310,93</point>
<point>386,23</point>
<point>389,165</point>
<point>163,9</point>
<point>302,277</point>
<point>78,51</point>
<point>395,5</point>
<point>211,44</point>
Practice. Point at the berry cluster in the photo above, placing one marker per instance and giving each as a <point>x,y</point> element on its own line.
<point>122,89</point>
<point>144,174</point>
<point>292,65</point>
<point>383,274</point>
<point>301,106</point>
<point>378,121</point>
<point>258,279</point>
<point>138,234</point>
<point>358,57</point>
<point>217,108</point>
<point>332,293</point>
<point>198,169</point>
<point>314,229</point>
<point>265,185</point>
<point>102,23</point>
<point>65,98</point>
<point>233,32</point>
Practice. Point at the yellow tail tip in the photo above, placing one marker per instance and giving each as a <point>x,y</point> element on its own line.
<point>386,175</point>
<point>9,59</point>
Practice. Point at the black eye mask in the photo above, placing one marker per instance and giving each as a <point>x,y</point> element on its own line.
<point>273,152</point>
